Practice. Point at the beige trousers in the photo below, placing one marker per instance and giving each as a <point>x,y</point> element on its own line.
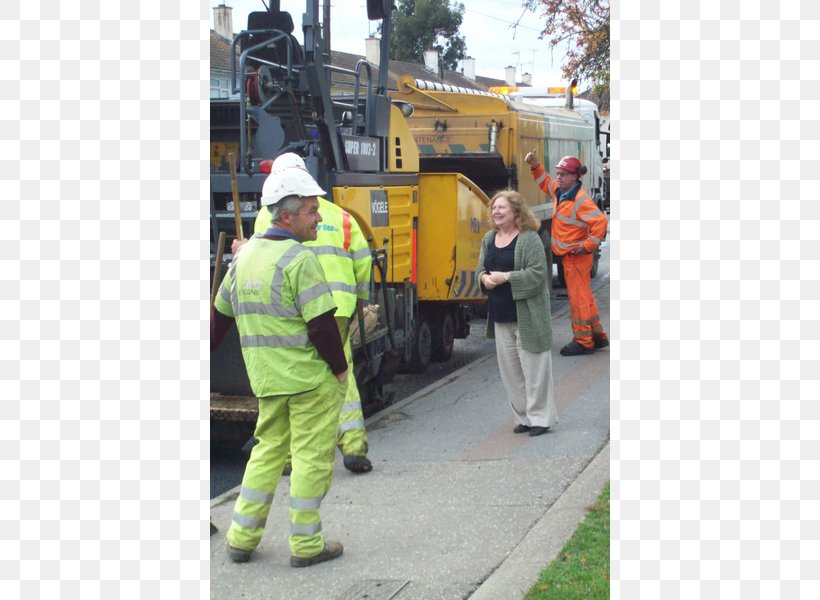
<point>527,377</point>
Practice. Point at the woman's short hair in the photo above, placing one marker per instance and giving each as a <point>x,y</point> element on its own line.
<point>288,204</point>
<point>524,217</point>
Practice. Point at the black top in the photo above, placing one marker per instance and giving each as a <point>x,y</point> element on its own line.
<point>500,303</point>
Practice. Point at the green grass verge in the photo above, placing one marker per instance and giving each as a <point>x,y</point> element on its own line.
<point>581,569</point>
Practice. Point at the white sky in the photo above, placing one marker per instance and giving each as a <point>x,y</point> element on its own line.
<point>486,29</point>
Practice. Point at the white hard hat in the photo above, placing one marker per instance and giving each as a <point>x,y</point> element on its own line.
<point>289,182</point>
<point>288,160</point>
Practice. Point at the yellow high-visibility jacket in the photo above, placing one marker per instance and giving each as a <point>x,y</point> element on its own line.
<point>342,251</point>
<point>272,290</point>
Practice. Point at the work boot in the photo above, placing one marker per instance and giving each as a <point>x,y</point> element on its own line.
<point>537,430</point>
<point>238,555</point>
<point>332,549</point>
<point>575,349</point>
<point>357,464</point>
<point>600,342</point>
<point>521,428</point>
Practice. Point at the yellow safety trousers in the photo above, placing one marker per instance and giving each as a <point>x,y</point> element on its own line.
<point>352,437</point>
<point>306,423</point>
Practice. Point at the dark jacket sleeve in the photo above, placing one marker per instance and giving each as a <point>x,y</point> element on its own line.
<point>323,332</point>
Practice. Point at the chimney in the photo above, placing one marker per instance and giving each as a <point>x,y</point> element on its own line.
<point>372,52</point>
<point>568,98</point>
<point>431,60</point>
<point>468,65</point>
<point>526,79</point>
<point>509,75</point>
<point>223,21</point>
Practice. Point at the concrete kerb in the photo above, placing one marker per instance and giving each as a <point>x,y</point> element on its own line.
<point>520,570</point>
<point>386,412</point>
<point>522,567</point>
<point>231,494</point>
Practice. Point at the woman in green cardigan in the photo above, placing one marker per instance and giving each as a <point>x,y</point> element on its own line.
<point>512,268</point>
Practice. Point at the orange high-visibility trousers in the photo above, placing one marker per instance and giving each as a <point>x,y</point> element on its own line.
<point>586,324</point>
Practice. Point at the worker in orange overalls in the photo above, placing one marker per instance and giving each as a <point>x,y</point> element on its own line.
<point>578,226</point>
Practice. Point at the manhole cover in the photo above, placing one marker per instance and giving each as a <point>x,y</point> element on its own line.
<point>373,589</point>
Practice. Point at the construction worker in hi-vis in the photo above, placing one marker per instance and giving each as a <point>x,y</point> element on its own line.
<point>277,293</point>
<point>578,226</point>
<point>344,255</point>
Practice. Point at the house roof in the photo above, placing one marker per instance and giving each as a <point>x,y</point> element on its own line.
<point>220,52</point>
<point>221,60</point>
<point>456,78</point>
<point>397,69</point>
<point>489,82</point>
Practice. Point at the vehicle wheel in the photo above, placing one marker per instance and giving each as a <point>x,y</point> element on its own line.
<point>422,348</point>
<point>443,337</point>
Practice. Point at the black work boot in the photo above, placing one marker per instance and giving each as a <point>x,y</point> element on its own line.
<point>575,349</point>
<point>601,342</point>
<point>332,549</point>
<point>357,464</point>
<point>239,555</point>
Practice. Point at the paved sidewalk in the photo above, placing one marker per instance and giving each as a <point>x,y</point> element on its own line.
<point>457,506</point>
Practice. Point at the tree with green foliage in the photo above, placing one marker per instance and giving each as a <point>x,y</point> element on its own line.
<point>584,26</point>
<point>419,25</point>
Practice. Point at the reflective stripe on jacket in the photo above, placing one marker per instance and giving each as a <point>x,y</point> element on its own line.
<point>576,221</point>
<point>272,289</point>
<point>343,253</point>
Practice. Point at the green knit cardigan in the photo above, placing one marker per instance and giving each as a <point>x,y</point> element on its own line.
<point>529,290</point>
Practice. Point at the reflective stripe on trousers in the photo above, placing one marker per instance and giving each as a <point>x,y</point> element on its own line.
<point>586,324</point>
<point>307,424</point>
<point>351,434</point>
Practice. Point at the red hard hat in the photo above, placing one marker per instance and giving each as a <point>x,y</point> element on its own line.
<point>570,164</point>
